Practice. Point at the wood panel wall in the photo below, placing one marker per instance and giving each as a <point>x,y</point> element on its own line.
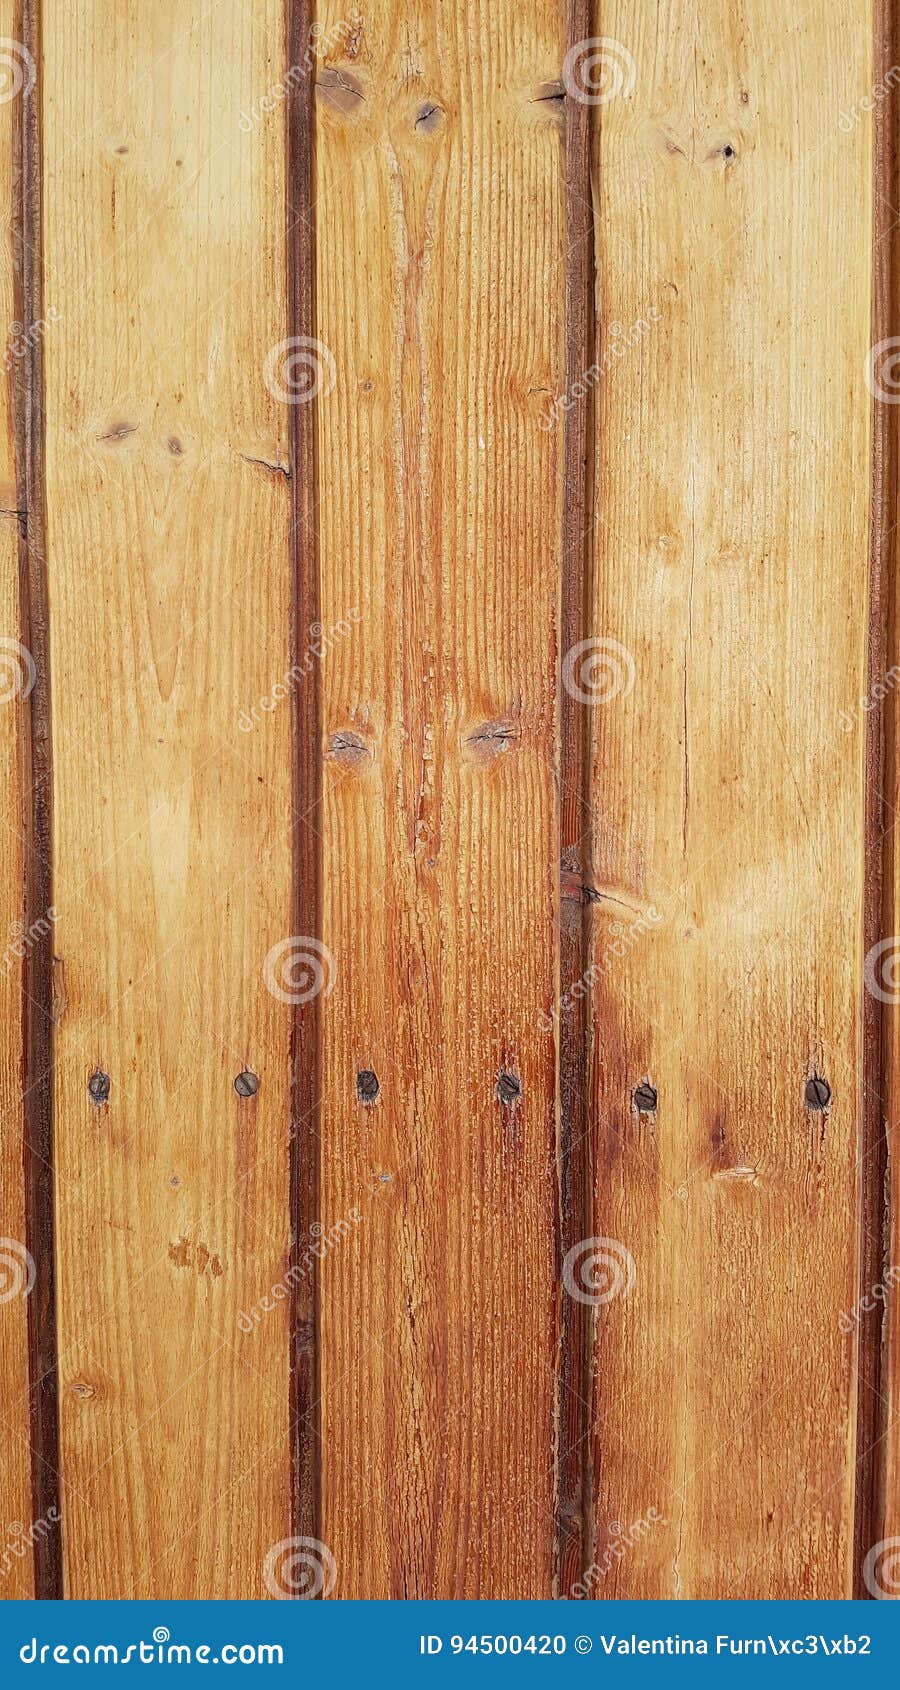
<point>448,637</point>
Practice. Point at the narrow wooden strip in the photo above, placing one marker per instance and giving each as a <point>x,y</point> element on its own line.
<point>25,1266</point>
<point>876,1315</point>
<point>37,973</point>
<point>572,1013</point>
<point>306,1066</point>
<point>728,582</point>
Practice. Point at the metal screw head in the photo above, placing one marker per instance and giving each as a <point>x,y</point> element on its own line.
<point>247,1083</point>
<point>645,1098</point>
<point>817,1093</point>
<point>98,1087</point>
<point>367,1085</point>
<point>509,1087</point>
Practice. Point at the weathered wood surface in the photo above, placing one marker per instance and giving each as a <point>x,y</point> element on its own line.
<point>450,784</point>
<point>731,513</point>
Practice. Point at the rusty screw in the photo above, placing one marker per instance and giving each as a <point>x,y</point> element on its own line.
<point>247,1083</point>
<point>645,1098</point>
<point>817,1093</point>
<point>367,1085</point>
<point>509,1088</point>
<point>98,1087</point>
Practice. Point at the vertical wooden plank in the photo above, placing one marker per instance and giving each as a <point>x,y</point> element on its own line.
<point>875,1315</point>
<point>730,563</point>
<point>167,529</point>
<point>22,1525</point>
<point>440,289</point>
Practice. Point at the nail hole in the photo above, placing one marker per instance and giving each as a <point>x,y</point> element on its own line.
<point>645,1098</point>
<point>246,1083</point>
<point>367,1085</point>
<point>728,150</point>
<point>509,1087</point>
<point>817,1093</point>
<point>98,1087</point>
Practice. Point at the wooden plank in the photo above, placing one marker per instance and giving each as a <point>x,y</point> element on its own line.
<point>167,530</point>
<point>23,1523</point>
<point>439,288</point>
<point>730,563</point>
<point>876,1314</point>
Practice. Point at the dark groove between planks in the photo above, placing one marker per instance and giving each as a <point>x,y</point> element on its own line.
<point>38,819</point>
<point>574,1488</point>
<point>306,736</point>
<point>874,1231</point>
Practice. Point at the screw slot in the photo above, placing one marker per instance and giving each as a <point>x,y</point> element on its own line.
<point>509,1088</point>
<point>98,1087</point>
<point>817,1093</point>
<point>645,1098</point>
<point>367,1085</point>
<point>246,1083</point>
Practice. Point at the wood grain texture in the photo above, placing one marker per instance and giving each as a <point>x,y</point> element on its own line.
<point>878,1313</point>
<point>17,1271</point>
<point>730,557</point>
<point>440,246</point>
<point>167,533</point>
